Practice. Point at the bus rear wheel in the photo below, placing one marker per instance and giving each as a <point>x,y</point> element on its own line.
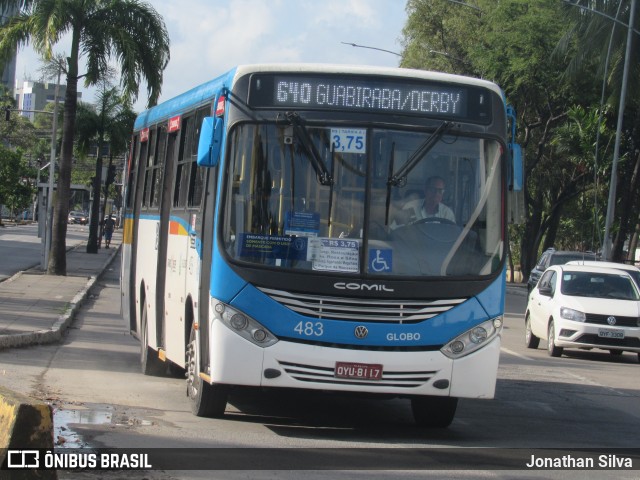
<point>206,400</point>
<point>434,412</point>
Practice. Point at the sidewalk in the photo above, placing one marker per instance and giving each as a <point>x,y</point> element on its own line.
<point>36,308</point>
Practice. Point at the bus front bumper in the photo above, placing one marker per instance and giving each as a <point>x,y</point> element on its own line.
<point>236,361</point>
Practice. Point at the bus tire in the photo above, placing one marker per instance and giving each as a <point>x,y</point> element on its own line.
<point>150,364</point>
<point>433,412</point>
<point>206,400</point>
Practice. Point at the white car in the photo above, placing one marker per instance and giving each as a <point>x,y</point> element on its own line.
<point>577,306</point>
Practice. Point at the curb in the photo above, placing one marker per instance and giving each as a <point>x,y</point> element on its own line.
<point>56,332</point>
<point>26,423</point>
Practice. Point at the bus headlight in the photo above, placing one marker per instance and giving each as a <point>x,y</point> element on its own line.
<point>242,324</point>
<point>473,339</point>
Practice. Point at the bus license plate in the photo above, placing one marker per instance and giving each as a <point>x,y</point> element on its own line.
<point>608,333</point>
<point>363,371</point>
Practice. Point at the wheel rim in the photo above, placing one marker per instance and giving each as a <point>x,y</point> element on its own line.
<point>192,362</point>
<point>551,343</point>
<point>527,330</point>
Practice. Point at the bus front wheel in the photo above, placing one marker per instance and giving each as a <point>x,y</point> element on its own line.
<point>206,400</point>
<point>434,412</point>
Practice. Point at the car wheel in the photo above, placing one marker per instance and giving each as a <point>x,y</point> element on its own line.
<point>552,349</point>
<point>434,412</point>
<point>530,340</point>
<point>206,400</point>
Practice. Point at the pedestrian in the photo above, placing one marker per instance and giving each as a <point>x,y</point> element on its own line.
<point>109,225</point>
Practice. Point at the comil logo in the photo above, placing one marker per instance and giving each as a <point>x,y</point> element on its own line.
<point>375,287</point>
<point>23,459</point>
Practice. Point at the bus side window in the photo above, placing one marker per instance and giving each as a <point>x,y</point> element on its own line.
<point>196,175</point>
<point>196,183</point>
<point>148,162</point>
<point>158,169</point>
<point>131,172</point>
<point>182,172</point>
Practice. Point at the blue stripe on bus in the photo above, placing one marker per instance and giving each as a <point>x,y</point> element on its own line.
<point>185,102</point>
<point>434,331</point>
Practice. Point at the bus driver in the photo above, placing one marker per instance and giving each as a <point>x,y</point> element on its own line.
<point>429,207</point>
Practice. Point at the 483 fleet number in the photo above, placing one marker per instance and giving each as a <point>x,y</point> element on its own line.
<point>309,329</point>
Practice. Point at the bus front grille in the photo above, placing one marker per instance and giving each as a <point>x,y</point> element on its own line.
<point>360,309</point>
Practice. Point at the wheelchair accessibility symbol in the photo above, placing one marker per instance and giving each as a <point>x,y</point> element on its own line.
<point>380,260</point>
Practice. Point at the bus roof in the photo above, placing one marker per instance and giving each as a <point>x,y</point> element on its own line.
<point>207,91</point>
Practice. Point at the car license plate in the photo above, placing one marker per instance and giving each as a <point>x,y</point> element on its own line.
<point>608,333</point>
<point>363,371</point>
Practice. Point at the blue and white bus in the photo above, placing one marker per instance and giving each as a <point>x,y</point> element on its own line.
<point>267,242</point>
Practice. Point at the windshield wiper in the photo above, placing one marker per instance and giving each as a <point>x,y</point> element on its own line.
<point>323,175</point>
<point>400,176</point>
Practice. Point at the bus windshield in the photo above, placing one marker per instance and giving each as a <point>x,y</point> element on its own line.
<point>364,201</point>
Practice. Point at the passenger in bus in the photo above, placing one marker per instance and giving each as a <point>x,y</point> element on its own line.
<point>430,206</point>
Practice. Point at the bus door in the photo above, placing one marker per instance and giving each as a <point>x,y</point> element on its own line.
<point>166,158</point>
<point>132,200</point>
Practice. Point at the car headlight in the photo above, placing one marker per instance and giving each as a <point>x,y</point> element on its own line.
<point>571,314</point>
<point>473,339</point>
<point>242,324</point>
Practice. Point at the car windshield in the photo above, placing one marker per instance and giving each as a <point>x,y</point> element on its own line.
<point>354,201</point>
<point>598,285</point>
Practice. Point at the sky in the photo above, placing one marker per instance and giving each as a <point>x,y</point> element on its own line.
<point>209,37</point>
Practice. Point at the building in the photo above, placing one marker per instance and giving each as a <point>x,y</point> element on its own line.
<point>32,96</point>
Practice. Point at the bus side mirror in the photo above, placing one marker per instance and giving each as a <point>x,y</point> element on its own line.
<point>210,143</point>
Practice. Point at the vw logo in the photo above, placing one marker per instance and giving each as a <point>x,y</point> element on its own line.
<point>361,331</point>
<point>611,320</point>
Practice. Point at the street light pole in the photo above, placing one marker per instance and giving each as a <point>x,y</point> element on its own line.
<point>371,48</point>
<point>608,242</point>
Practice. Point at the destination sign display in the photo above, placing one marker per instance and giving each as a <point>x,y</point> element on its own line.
<point>364,94</point>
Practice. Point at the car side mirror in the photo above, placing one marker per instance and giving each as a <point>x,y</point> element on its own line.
<point>546,291</point>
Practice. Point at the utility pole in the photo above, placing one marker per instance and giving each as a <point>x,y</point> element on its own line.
<point>607,252</point>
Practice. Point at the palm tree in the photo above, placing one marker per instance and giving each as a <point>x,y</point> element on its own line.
<point>109,122</point>
<point>130,31</point>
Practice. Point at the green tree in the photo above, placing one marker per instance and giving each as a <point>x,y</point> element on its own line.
<point>108,123</point>
<point>600,30</point>
<point>129,31</point>
<point>15,189</point>
<point>575,141</point>
<point>512,44</point>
